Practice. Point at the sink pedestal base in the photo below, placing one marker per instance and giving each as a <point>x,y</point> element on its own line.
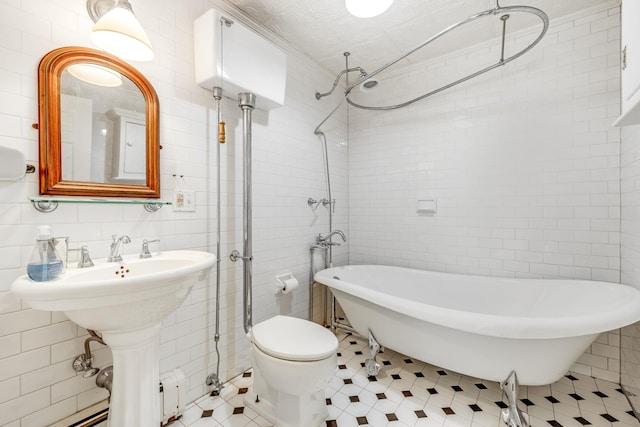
<point>134,394</point>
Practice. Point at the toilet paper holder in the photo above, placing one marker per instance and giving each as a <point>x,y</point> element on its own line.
<point>285,283</point>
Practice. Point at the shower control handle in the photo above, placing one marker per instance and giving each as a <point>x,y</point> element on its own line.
<point>235,256</point>
<point>331,203</point>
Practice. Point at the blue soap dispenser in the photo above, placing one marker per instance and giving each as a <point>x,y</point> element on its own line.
<point>45,262</point>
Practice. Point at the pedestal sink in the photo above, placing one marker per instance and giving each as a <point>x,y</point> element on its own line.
<point>125,302</point>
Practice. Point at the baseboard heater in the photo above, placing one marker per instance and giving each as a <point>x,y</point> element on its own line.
<point>172,403</point>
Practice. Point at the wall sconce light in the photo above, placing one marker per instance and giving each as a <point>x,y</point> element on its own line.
<point>367,8</point>
<point>117,30</point>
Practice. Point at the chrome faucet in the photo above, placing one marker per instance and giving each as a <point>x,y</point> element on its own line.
<point>84,259</point>
<point>115,255</point>
<point>145,253</point>
<point>326,240</point>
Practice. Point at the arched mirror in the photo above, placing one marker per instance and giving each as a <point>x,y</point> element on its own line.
<point>98,126</point>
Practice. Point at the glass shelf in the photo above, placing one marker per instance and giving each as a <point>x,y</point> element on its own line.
<point>50,204</point>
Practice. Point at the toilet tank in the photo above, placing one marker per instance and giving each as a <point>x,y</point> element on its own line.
<point>249,63</point>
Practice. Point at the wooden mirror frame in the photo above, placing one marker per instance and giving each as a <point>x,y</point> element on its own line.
<point>49,73</point>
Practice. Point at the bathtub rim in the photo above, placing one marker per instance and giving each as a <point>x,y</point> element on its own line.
<point>522,327</point>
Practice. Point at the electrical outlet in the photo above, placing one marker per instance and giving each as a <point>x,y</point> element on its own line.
<point>184,201</point>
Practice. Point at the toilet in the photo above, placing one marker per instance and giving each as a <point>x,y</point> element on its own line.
<point>293,360</point>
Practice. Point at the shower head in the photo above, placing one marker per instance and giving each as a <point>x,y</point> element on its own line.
<point>361,70</point>
<point>369,84</point>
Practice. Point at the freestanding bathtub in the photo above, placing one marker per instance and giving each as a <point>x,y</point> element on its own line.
<point>485,327</point>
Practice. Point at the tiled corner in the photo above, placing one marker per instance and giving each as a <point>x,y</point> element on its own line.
<point>411,393</point>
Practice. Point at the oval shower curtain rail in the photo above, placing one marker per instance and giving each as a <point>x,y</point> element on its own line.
<point>501,11</point>
<point>498,10</point>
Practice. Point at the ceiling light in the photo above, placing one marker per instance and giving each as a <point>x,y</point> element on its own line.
<point>367,8</point>
<point>117,30</point>
<point>95,74</point>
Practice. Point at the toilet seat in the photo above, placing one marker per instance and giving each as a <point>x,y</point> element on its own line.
<point>290,338</point>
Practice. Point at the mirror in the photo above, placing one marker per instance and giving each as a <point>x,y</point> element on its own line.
<point>98,126</point>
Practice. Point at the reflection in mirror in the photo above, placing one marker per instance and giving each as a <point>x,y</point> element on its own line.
<point>98,126</point>
<point>102,128</point>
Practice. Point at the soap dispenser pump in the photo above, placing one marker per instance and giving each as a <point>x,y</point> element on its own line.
<point>45,262</point>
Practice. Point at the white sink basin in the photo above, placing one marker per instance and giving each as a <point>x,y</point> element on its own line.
<point>125,302</point>
<point>131,294</point>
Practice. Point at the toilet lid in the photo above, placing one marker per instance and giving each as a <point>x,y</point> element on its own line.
<point>291,338</point>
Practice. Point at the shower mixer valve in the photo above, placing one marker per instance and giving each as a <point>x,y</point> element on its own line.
<point>235,256</point>
<point>331,203</point>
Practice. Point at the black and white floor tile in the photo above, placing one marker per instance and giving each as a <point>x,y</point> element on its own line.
<point>410,393</point>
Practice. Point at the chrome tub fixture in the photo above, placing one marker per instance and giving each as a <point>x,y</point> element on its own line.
<point>326,240</point>
<point>502,12</point>
<point>367,82</point>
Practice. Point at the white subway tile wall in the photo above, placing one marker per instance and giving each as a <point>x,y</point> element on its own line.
<point>522,160</point>
<point>37,383</point>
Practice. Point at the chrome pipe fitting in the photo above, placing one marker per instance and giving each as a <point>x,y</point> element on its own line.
<point>84,362</point>
<point>217,93</point>
<point>105,379</point>
<point>247,102</point>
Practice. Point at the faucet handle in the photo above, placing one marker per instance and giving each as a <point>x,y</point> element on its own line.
<point>145,248</point>
<point>84,260</point>
<point>124,238</point>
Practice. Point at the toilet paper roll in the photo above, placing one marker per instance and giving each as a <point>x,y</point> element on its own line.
<point>289,285</point>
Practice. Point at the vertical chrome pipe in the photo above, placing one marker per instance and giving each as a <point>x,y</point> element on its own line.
<point>503,18</point>
<point>325,154</point>
<point>214,379</point>
<point>217,95</point>
<point>247,102</point>
<point>312,252</point>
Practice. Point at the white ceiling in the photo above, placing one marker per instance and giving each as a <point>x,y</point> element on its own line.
<point>323,29</point>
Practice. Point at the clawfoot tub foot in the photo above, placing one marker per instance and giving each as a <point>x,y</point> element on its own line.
<point>512,416</point>
<point>371,365</point>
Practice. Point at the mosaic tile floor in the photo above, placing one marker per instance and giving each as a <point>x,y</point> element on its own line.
<point>412,393</point>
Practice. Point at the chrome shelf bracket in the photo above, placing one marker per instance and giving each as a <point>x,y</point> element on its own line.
<point>150,207</point>
<point>45,206</point>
